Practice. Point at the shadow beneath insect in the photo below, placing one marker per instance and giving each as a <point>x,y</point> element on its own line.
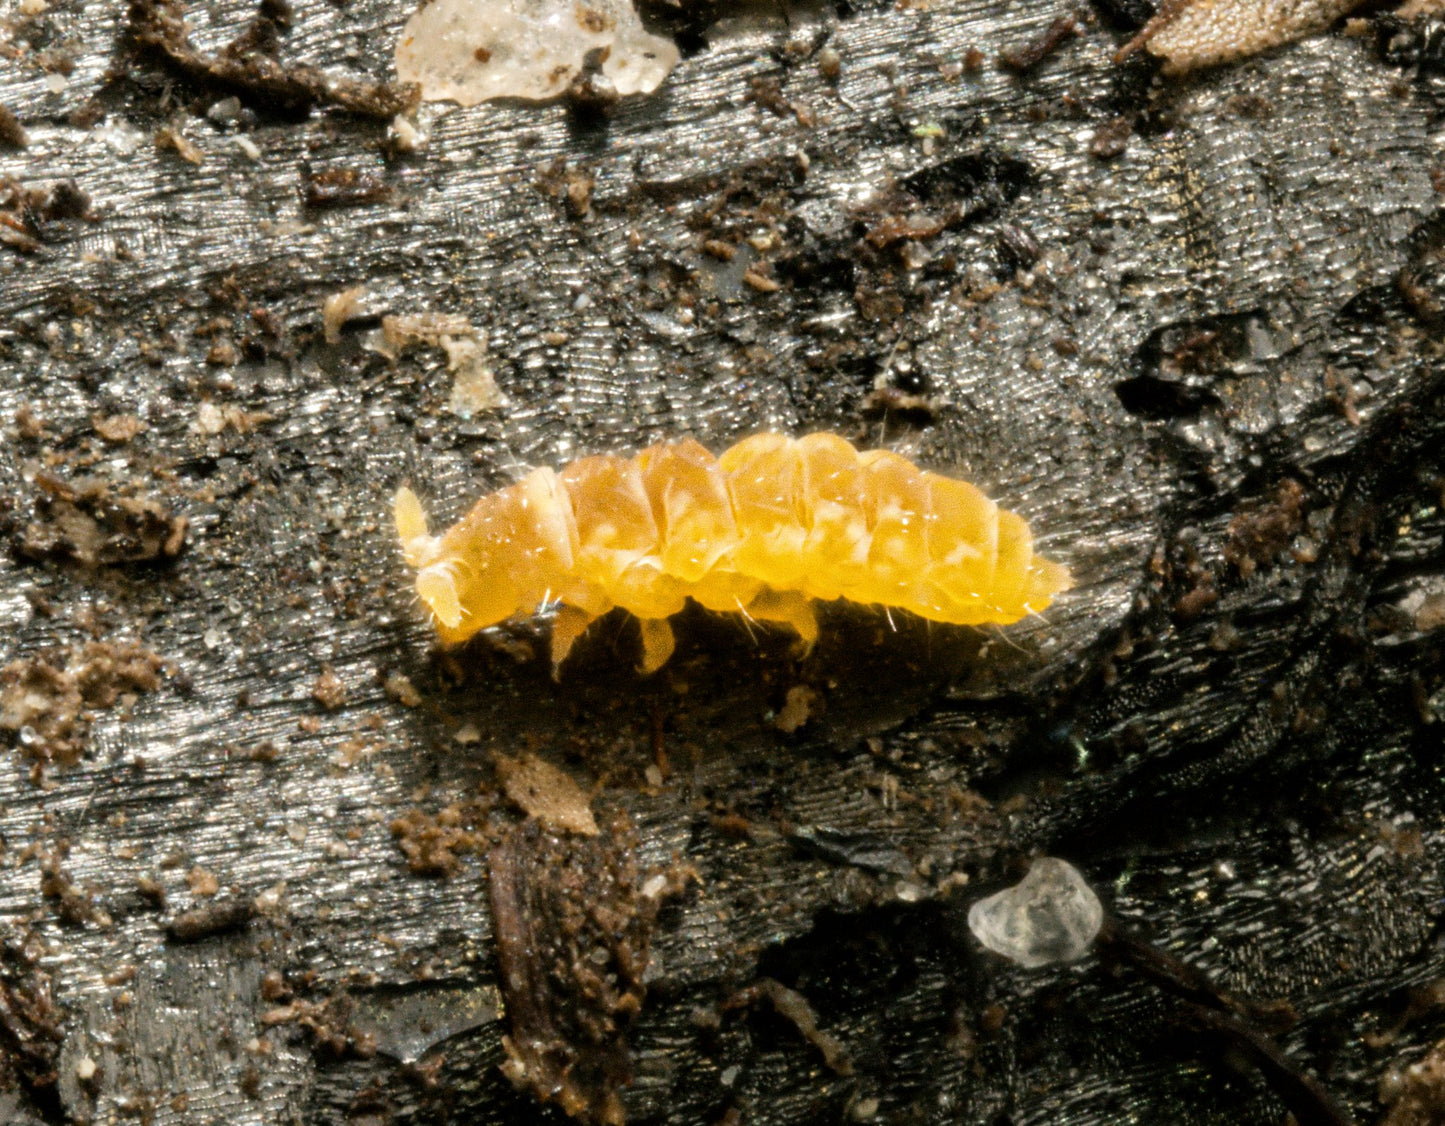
<point>733,690</point>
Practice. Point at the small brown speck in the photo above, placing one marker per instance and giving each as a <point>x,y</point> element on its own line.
<point>399,687</point>
<point>329,691</point>
<point>117,429</point>
<point>151,889</point>
<point>760,281</point>
<point>274,987</point>
<point>590,19</point>
<point>1111,139</point>
<point>12,133</point>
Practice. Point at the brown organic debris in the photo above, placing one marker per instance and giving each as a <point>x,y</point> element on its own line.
<point>342,187</point>
<point>26,212</point>
<point>220,917</point>
<point>329,690</point>
<point>340,307</point>
<point>1024,58</point>
<point>48,701</point>
<point>433,844</point>
<point>247,67</point>
<point>117,429</point>
<point>573,925</point>
<point>799,706</point>
<point>85,522</point>
<point>474,386</point>
<point>331,1025</point>
<point>171,139</point>
<point>1111,138</point>
<point>1259,533</point>
<point>75,906</point>
<point>561,181</point>
<point>31,1034</point>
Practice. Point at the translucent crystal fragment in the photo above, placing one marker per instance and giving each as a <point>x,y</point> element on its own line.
<point>470,51</point>
<point>1050,916</point>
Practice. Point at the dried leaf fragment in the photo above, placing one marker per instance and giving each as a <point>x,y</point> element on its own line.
<point>547,793</point>
<point>1192,34</point>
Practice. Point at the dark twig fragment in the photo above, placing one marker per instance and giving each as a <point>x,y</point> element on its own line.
<point>573,929</point>
<point>1232,1023</point>
<point>246,69</point>
<point>1024,58</point>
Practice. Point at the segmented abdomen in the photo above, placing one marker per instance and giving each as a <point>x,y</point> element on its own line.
<point>812,516</point>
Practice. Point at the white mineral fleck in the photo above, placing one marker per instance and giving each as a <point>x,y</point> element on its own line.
<point>1050,916</point>
<point>471,51</point>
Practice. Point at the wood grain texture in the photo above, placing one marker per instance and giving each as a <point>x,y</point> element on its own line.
<point>1132,353</point>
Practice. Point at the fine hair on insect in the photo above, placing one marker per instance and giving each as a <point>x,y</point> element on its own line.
<point>766,530</point>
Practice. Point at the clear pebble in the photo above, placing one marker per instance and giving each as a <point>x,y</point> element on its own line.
<point>1050,916</point>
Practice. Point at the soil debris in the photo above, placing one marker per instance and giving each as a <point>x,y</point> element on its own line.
<point>171,139</point>
<point>26,212</point>
<point>75,906</point>
<point>398,687</point>
<point>330,1024</point>
<point>799,706</point>
<point>433,843</point>
<point>1258,534</point>
<point>116,429</point>
<point>247,67</point>
<point>1111,138</point>
<point>329,690</point>
<point>86,522</point>
<point>340,307</point>
<point>342,187</point>
<point>474,387</point>
<point>48,701</point>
